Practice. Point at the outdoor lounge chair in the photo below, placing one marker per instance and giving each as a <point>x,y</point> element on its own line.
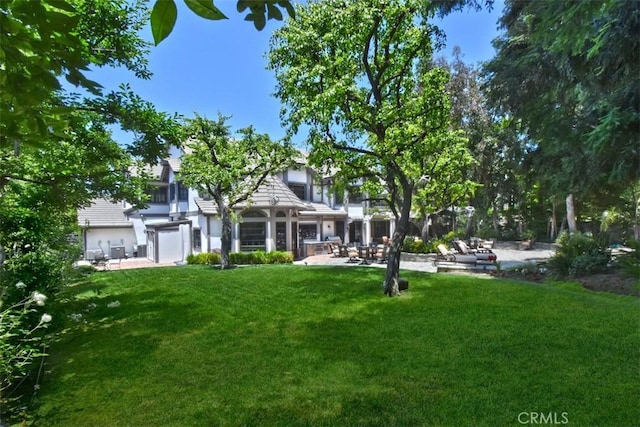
<point>481,254</point>
<point>447,255</point>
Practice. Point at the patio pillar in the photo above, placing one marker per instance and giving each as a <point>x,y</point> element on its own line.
<point>366,230</point>
<point>269,246</point>
<point>235,238</point>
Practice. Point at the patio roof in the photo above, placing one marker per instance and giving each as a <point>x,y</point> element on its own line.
<point>320,209</point>
<point>103,213</point>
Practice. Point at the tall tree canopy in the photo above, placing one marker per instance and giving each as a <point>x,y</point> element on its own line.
<point>56,148</point>
<point>569,71</point>
<point>348,70</point>
<point>229,169</point>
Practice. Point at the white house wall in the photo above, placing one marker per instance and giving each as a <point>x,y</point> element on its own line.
<point>169,248</point>
<point>329,228</point>
<point>297,176</point>
<point>214,234</point>
<point>174,244</point>
<point>317,193</point>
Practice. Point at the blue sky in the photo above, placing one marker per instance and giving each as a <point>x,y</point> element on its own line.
<point>219,66</point>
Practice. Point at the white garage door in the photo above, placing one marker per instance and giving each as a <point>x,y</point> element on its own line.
<point>169,246</point>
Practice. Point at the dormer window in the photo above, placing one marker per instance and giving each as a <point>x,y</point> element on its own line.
<point>299,190</point>
<point>183,192</point>
<point>157,194</point>
<point>355,194</point>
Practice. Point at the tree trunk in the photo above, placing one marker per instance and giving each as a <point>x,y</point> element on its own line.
<point>495,218</point>
<point>225,238</point>
<point>424,232</point>
<point>554,221</point>
<point>571,214</point>
<point>391,287</point>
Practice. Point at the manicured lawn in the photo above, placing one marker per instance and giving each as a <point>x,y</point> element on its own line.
<point>294,345</point>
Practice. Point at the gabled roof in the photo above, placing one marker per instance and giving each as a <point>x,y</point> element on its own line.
<point>103,213</point>
<point>274,192</point>
<point>174,164</point>
<point>208,207</point>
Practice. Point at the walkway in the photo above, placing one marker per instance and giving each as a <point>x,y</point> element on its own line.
<point>507,258</point>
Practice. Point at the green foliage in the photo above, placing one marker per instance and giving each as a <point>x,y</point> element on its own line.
<point>258,257</point>
<point>348,72</point>
<point>414,245</point>
<point>579,255</point>
<point>230,169</point>
<point>204,258</point>
<point>261,257</point>
<point>279,257</point>
<point>586,73</point>
<point>165,13</point>
<point>20,343</point>
<point>630,262</point>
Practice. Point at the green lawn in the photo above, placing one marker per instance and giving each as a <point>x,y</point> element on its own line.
<point>295,345</point>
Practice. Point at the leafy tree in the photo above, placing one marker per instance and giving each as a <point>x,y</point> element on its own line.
<point>229,169</point>
<point>56,149</point>
<point>348,71</point>
<point>574,88</point>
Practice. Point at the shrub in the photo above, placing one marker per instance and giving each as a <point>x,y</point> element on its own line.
<point>261,257</point>
<point>240,258</point>
<point>20,345</point>
<point>630,262</point>
<point>258,257</point>
<point>578,255</point>
<point>204,258</point>
<point>279,257</point>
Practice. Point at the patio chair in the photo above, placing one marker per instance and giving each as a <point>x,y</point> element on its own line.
<point>335,249</point>
<point>352,252</point>
<point>381,253</point>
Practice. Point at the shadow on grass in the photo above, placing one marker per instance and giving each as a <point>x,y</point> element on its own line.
<point>324,346</point>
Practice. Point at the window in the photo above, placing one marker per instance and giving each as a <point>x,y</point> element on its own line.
<point>299,190</point>
<point>339,197</point>
<point>355,194</point>
<point>196,239</point>
<point>254,214</point>
<point>252,236</point>
<point>379,230</point>
<point>183,192</point>
<point>157,194</point>
<point>308,231</point>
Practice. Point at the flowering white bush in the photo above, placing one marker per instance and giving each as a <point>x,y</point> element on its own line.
<point>19,347</point>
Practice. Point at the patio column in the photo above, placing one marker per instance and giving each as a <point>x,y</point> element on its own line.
<point>269,246</point>
<point>235,238</point>
<point>366,230</point>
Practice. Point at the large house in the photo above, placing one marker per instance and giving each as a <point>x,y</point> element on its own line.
<point>293,210</point>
